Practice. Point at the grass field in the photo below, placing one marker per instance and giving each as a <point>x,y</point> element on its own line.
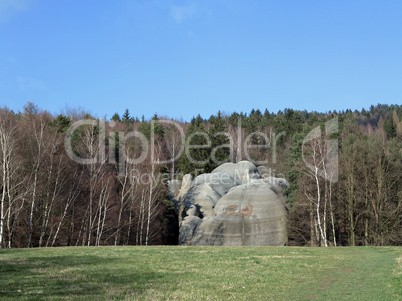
<point>201,273</point>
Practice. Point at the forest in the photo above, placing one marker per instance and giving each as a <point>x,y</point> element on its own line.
<point>75,179</point>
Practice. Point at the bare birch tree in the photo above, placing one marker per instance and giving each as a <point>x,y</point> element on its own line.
<point>36,142</point>
<point>8,130</point>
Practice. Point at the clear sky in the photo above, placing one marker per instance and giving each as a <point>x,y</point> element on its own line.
<point>181,58</point>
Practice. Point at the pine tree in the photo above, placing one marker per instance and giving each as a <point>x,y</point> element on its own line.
<point>116,117</point>
<point>217,133</point>
<point>390,128</point>
<point>195,160</point>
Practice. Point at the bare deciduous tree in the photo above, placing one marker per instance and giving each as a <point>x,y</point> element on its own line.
<point>8,130</point>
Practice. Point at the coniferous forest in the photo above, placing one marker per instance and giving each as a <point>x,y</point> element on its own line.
<point>78,180</point>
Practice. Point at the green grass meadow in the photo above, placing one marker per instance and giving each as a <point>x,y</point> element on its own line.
<point>201,273</point>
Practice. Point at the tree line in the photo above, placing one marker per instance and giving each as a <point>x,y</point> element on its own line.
<point>343,167</point>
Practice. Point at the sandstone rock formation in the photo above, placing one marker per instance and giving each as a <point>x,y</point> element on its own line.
<point>233,205</point>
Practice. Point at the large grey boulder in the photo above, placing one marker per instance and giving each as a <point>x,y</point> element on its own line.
<point>233,205</point>
<point>206,190</point>
<point>188,225</point>
<point>204,197</point>
<point>179,194</point>
<point>173,187</point>
<point>244,171</point>
<point>278,185</point>
<point>221,182</point>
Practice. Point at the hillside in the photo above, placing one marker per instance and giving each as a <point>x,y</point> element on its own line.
<point>77,180</point>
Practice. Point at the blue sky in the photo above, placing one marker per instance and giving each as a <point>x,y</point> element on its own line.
<point>181,58</point>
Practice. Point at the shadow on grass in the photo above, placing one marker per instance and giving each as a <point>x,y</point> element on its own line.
<point>73,276</point>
